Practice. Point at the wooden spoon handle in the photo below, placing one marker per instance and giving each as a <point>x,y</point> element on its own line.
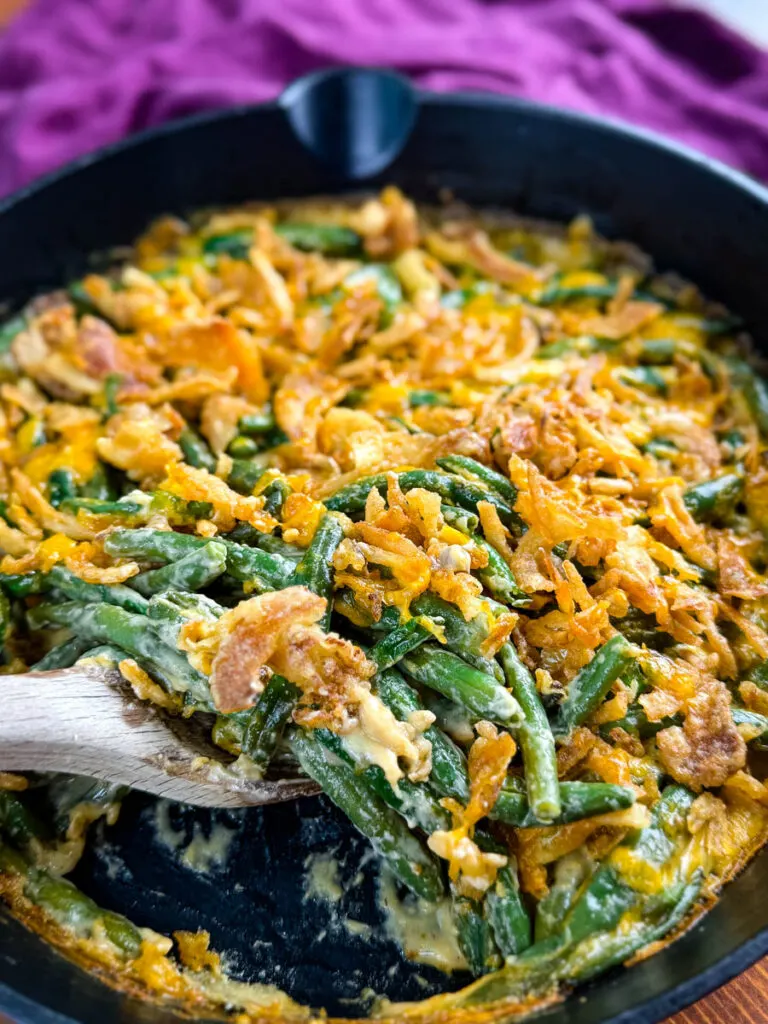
<point>78,721</point>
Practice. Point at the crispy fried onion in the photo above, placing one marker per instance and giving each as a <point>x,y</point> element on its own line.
<point>229,506</point>
<point>278,632</point>
<point>708,748</point>
<point>471,869</point>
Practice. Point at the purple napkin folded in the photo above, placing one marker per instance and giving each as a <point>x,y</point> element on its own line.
<point>75,74</point>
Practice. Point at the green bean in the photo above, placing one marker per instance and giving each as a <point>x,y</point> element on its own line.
<point>412,801</point>
<point>274,545</point>
<point>507,915</point>
<point>558,293</point>
<point>344,602</point>
<point>481,694</point>
<point>104,652</point>
<point>6,619</point>
<point>99,507</point>
<point>179,606</point>
<point>391,648</point>
<point>9,330</point>
<point>535,737</point>
<point>38,434</point>
<point>250,565</point>
<point>461,637</point>
<point>459,297</point>
<point>504,907</point>
<point>137,635</point>
<point>584,345</point>
<point>646,378</point>
<point>657,351</point>
<point>571,871</point>
<point>61,485</point>
<point>72,909</point>
<point>244,533</point>
<point>721,325</point>
<point>23,584</point>
<point>641,628</point>
<point>594,958</point>
<point>408,858</point>
<point>387,285</point>
<point>636,723</point>
<point>416,399</point>
<point>753,723</point>
<point>112,384</point>
<point>460,519</point>
<point>196,451</point>
<point>459,491</point>
<point>264,570</point>
<point>754,388</point>
<point>578,800</point>
<point>244,475</point>
<point>660,448</point>
<point>82,301</point>
<point>76,589</point>
<point>475,935</point>
<point>601,905</point>
<point>18,823</point>
<point>257,423</point>
<point>409,428</point>
<point>67,583</point>
<point>559,959</point>
<point>449,769</point>
<point>267,722</point>
<point>99,486</point>
<point>329,239</point>
<point>315,570</point>
<point>228,731</point>
<point>462,465</point>
<point>64,655</point>
<point>241,447</point>
<point>275,495</point>
<point>733,440</point>
<point>498,579</point>
<point>65,793</point>
<point>714,500</point>
<point>191,572</point>
<point>354,398</point>
<point>236,244</point>
<point>607,897</point>
<point>587,690</point>
<point>758,675</point>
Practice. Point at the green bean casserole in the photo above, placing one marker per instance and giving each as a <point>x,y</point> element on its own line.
<point>461,515</point>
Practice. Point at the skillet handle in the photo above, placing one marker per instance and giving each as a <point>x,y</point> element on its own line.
<point>355,121</point>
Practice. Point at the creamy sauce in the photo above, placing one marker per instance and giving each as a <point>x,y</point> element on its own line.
<point>379,738</point>
<point>358,928</point>
<point>322,881</point>
<point>202,852</point>
<point>424,931</point>
<point>251,997</point>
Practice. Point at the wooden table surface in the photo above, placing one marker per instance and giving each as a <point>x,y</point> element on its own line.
<point>745,999</point>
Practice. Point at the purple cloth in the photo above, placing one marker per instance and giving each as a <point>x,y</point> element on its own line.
<point>75,74</point>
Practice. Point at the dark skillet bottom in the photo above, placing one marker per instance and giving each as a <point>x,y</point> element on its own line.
<point>256,912</point>
<point>255,906</point>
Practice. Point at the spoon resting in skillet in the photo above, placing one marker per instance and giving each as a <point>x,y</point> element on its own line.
<point>85,721</point>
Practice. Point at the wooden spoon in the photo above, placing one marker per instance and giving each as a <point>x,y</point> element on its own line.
<point>86,721</point>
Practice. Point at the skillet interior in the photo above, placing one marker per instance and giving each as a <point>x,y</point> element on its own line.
<point>706,222</point>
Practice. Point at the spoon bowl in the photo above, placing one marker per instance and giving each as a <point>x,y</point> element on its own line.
<point>87,721</point>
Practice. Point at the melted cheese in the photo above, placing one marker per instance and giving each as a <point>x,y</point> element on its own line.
<point>424,931</point>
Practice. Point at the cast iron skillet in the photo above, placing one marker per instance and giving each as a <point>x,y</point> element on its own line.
<point>332,131</point>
